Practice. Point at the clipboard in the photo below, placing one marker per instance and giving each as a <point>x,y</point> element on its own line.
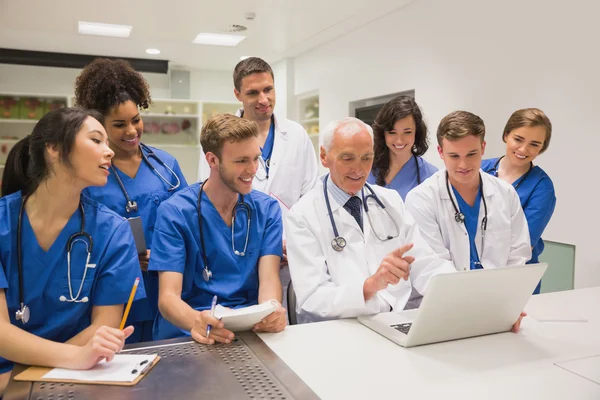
<point>35,374</point>
<point>138,234</point>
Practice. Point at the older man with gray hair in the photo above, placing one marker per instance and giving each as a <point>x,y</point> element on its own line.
<point>352,248</point>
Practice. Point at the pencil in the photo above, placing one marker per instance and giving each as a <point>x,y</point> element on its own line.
<point>133,289</point>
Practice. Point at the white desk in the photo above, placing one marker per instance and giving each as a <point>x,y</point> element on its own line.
<point>344,359</point>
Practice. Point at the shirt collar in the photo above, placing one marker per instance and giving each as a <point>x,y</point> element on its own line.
<point>337,196</point>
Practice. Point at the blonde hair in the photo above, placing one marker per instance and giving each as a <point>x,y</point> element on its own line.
<point>223,128</point>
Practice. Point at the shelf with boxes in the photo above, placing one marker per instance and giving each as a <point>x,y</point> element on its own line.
<point>308,116</point>
<point>174,126</point>
<point>18,115</point>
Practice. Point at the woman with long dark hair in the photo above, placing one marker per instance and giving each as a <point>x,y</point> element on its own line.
<point>67,263</point>
<point>400,136</point>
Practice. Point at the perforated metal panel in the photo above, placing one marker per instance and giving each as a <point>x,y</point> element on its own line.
<point>189,370</point>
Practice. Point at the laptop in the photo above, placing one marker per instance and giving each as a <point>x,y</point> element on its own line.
<point>461,305</point>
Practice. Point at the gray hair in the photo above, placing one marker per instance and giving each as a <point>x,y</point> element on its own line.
<point>348,127</point>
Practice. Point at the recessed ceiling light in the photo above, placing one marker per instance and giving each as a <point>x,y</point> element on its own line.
<point>100,29</point>
<point>153,51</point>
<point>218,39</point>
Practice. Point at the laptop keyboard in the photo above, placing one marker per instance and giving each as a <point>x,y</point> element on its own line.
<point>404,328</point>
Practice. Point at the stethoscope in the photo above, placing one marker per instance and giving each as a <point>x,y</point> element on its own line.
<point>339,243</point>
<point>23,313</point>
<point>131,205</point>
<point>240,205</point>
<point>460,217</point>
<point>494,171</point>
<point>418,169</point>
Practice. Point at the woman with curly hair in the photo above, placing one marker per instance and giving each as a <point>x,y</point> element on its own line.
<point>400,136</point>
<point>141,176</point>
<point>527,135</point>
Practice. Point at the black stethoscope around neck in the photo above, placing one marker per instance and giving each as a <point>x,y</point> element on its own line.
<point>131,205</point>
<point>23,313</point>
<point>240,205</point>
<point>338,243</point>
<point>460,217</point>
<point>494,171</point>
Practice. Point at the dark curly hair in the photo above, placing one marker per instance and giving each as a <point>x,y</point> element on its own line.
<point>394,110</point>
<point>105,83</point>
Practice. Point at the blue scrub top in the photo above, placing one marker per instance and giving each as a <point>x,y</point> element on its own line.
<point>406,179</point>
<point>45,273</point>
<point>267,150</point>
<point>536,192</point>
<point>235,278</point>
<point>471,223</point>
<point>148,190</point>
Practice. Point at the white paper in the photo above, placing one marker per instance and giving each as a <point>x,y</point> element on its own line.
<point>588,367</point>
<point>243,319</point>
<point>120,369</point>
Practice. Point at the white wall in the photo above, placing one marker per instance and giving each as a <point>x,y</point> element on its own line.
<point>490,58</point>
<point>61,81</point>
<point>211,85</point>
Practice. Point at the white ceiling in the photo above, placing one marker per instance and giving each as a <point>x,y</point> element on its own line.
<point>282,28</point>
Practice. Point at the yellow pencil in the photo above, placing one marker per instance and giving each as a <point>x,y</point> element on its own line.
<point>133,289</point>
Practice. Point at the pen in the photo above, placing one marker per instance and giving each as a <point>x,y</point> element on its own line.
<point>212,314</point>
<point>133,289</point>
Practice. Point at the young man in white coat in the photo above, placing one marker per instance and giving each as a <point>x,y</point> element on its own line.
<point>468,217</point>
<point>288,166</point>
<point>352,248</point>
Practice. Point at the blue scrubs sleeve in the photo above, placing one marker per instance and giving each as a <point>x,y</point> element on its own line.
<point>168,251</point>
<point>272,243</point>
<point>3,280</point>
<point>539,209</point>
<point>120,266</point>
<point>183,183</point>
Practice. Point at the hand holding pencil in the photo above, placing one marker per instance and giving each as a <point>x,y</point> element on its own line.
<point>105,342</point>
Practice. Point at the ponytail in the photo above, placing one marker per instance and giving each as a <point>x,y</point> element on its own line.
<point>26,165</point>
<point>15,171</point>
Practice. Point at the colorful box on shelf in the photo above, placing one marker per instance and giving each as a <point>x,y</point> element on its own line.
<point>168,127</point>
<point>4,150</point>
<point>32,107</point>
<point>54,104</point>
<point>9,107</point>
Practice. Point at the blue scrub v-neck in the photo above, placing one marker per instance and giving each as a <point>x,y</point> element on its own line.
<point>471,223</point>
<point>267,149</point>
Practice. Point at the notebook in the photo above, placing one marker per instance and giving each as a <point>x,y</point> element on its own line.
<point>124,369</point>
<point>243,319</point>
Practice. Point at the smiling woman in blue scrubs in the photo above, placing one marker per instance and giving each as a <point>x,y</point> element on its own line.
<point>218,238</point>
<point>527,135</point>
<point>73,305</point>
<point>142,176</point>
<point>400,137</point>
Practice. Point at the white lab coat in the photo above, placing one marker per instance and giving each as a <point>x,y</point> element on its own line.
<point>293,167</point>
<point>329,284</point>
<point>507,235</point>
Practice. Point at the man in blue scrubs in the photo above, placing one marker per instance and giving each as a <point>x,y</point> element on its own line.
<point>229,244</point>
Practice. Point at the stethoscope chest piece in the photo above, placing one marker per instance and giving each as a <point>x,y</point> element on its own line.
<point>338,243</point>
<point>206,274</point>
<point>459,217</point>
<point>131,206</point>
<point>22,314</point>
